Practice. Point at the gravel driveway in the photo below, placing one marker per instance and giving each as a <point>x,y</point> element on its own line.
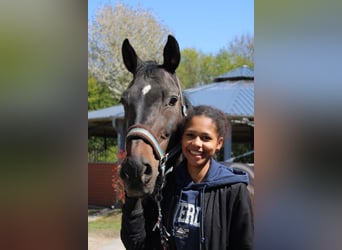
<point>100,243</point>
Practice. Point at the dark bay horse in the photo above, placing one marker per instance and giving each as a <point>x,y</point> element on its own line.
<point>154,109</point>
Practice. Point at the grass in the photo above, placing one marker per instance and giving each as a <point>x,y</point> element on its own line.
<point>93,211</point>
<point>107,225</point>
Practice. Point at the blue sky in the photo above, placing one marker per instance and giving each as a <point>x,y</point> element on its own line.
<point>207,26</point>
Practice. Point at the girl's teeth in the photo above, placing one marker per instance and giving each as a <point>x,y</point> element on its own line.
<point>195,152</point>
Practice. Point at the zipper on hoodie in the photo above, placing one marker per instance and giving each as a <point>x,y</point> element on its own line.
<point>202,237</point>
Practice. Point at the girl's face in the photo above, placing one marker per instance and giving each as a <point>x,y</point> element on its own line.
<point>200,141</point>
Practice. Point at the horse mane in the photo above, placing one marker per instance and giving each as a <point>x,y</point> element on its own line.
<point>147,68</point>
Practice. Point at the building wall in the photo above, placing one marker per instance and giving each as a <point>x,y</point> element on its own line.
<point>104,185</point>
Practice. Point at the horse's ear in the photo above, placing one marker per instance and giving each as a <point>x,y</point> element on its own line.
<point>129,56</point>
<point>171,54</point>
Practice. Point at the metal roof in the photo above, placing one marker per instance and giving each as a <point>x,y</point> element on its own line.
<point>106,113</point>
<point>101,122</point>
<point>241,73</point>
<point>235,99</point>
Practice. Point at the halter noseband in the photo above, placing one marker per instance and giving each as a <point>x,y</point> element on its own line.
<point>142,132</point>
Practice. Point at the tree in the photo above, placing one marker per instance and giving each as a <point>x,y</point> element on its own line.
<point>208,68</point>
<point>98,95</point>
<point>197,68</point>
<point>106,34</point>
<point>218,65</point>
<point>241,49</point>
<point>189,68</point>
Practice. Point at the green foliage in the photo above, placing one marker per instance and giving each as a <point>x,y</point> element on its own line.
<point>99,95</point>
<point>223,63</point>
<point>242,148</point>
<point>189,68</point>
<point>102,149</point>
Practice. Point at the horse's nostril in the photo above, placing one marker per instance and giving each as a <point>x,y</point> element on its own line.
<point>148,169</point>
<point>123,175</point>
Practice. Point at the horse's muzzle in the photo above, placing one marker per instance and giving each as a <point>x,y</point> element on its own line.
<point>138,177</point>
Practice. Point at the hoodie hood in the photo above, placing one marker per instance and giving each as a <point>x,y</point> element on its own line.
<point>217,175</point>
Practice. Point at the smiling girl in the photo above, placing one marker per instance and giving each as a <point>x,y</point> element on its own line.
<point>215,195</point>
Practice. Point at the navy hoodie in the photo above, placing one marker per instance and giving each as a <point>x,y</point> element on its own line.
<point>214,214</point>
<point>187,228</point>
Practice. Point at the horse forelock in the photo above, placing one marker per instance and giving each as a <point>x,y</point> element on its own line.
<point>146,68</point>
<point>154,71</point>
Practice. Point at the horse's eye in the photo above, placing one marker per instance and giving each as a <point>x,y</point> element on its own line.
<point>173,100</point>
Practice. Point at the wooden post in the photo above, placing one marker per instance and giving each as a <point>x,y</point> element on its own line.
<point>228,146</point>
<point>120,128</point>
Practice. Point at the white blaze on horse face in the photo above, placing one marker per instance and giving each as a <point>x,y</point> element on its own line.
<point>146,89</point>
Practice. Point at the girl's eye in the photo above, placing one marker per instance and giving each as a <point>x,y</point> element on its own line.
<point>206,138</point>
<point>189,135</point>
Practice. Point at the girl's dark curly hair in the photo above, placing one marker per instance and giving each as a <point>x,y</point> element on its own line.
<point>219,118</point>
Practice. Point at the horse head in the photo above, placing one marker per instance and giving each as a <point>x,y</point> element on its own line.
<point>154,109</point>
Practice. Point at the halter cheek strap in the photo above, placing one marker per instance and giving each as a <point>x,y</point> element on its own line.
<point>184,110</point>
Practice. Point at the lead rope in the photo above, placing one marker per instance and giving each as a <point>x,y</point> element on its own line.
<point>164,234</point>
